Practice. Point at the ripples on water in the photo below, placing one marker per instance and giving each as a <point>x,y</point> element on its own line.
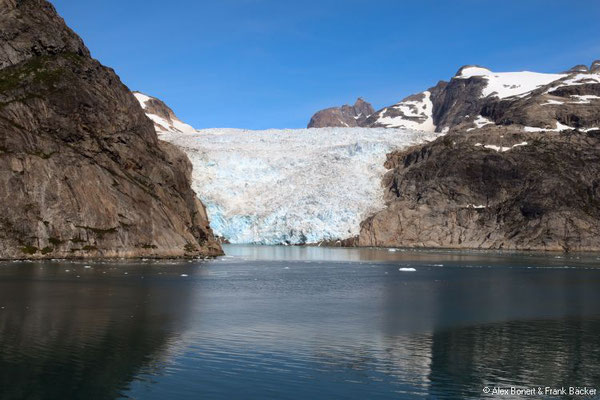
<point>296,323</point>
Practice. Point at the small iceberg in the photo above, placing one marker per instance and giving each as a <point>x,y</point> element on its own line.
<point>407,270</point>
<point>184,275</point>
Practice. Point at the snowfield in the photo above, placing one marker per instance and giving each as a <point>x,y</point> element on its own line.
<point>507,84</point>
<point>291,186</point>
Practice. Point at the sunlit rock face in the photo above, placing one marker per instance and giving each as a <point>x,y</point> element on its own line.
<point>82,170</point>
<point>291,186</point>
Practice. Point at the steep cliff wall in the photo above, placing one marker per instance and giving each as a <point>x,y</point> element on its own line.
<point>81,169</point>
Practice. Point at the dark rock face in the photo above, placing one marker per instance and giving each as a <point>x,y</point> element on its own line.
<point>457,193</point>
<point>20,40</point>
<point>513,172</point>
<point>344,116</point>
<point>82,171</point>
<point>576,106</point>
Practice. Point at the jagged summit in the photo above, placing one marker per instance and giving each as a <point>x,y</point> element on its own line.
<point>344,116</point>
<point>577,68</point>
<point>363,107</point>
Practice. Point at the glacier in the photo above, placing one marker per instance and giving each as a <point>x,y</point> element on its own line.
<point>291,186</point>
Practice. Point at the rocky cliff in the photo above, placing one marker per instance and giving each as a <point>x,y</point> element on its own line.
<point>165,120</point>
<point>518,169</point>
<point>81,169</point>
<point>344,116</point>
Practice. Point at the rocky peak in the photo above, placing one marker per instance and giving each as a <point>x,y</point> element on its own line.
<point>362,107</point>
<point>165,120</point>
<point>578,68</point>
<point>344,116</point>
<point>595,66</point>
<point>471,70</point>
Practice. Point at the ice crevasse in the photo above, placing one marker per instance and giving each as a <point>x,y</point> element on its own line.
<point>291,186</point>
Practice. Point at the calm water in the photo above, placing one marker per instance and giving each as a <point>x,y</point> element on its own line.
<point>299,323</point>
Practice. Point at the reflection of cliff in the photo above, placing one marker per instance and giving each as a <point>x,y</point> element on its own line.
<point>86,338</point>
<point>464,329</point>
<point>524,353</point>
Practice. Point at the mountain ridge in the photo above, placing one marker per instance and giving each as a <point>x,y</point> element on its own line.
<point>472,93</point>
<point>517,168</point>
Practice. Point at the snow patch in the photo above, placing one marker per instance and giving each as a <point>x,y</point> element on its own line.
<point>476,207</point>
<point>291,186</point>
<point>162,125</point>
<point>552,102</point>
<point>142,98</point>
<point>501,148</point>
<point>559,127</point>
<point>481,121</point>
<point>585,99</point>
<point>508,84</point>
<point>420,113</point>
<point>575,80</point>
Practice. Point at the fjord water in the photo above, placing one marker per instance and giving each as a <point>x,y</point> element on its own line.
<point>300,323</point>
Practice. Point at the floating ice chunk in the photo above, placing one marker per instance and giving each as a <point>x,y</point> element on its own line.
<point>184,275</point>
<point>407,270</point>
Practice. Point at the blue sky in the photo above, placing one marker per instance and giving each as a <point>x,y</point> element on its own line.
<point>272,63</point>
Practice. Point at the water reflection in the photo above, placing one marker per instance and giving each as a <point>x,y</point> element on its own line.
<point>557,353</point>
<point>67,334</point>
<point>296,323</point>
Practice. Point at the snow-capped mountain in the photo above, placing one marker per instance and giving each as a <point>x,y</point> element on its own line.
<point>165,120</point>
<point>477,96</point>
<point>516,168</point>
